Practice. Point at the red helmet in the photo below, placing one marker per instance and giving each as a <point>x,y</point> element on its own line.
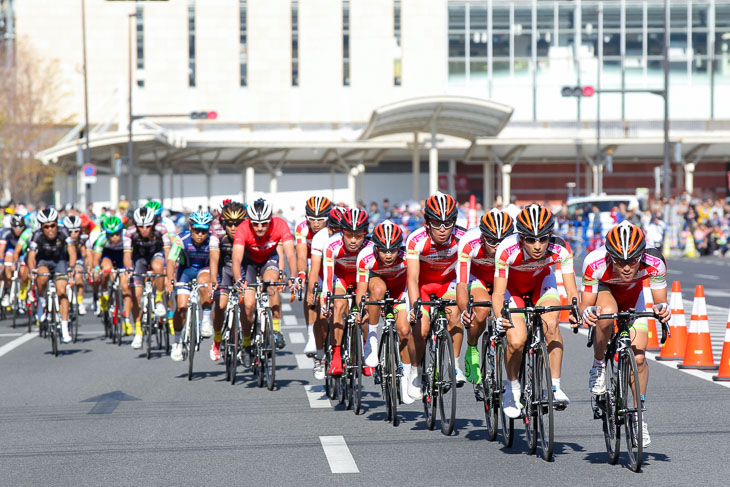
<point>387,235</point>
<point>335,217</point>
<point>355,220</point>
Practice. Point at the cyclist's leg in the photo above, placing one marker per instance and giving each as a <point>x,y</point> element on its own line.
<point>61,283</point>
<point>269,273</point>
<point>79,280</point>
<point>516,337</point>
<point>182,277</point>
<point>377,288</point>
<point>41,284</point>
<point>340,309</point>
<point>158,267</point>
<point>608,305</point>
<point>126,286</point>
<point>547,295</point>
<point>639,341</point>
<point>221,302</point>
<point>141,266</point>
<point>472,367</point>
<point>249,302</point>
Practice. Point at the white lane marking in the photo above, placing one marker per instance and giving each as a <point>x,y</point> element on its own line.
<point>674,271</point>
<point>317,397</point>
<point>289,320</point>
<point>338,455</point>
<point>11,334</point>
<point>304,362</point>
<point>286,307</point>
<point>16,343</point>
<point>707,276</point>
<point>296,337</point>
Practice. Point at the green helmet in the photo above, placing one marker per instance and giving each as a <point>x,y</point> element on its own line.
<point>156,206</point>
<point>112,224</point>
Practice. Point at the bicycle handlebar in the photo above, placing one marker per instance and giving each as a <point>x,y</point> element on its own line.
<point>539,310</point>
<point>628,316</point>
<point>476,304</point>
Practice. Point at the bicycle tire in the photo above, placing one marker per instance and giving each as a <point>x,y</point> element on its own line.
<point>356,352</point>
<point>393,361</point>
<point>235,349</point>
<point>269,351</point>
<point>491,413</point>
<point>529,398</point>
<point>31,310</point>
<point>54,340</point>
<point>192,337</point>
<point>383,373</point>
<point>148,327</point>
<point>347,364</point>
<point>166,335</point>
<point>543,392</point>
<point>611,430</point>
<point>631,406</point>
<point>75,328</point>
<point>330,381</point>
<point>428,373</point>
<point>447,383</point>
<point>508,424</point>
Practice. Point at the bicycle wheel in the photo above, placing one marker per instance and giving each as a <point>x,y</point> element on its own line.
<point>269,352</point>
<point>543,396</point>
<point>508,424</point>
<point>234,343</point>
<point>148,326</point>
<point>428,382</point>
<point>166,335</point>
<point>489,387</point>
<point>446,383</point>
<point>393,362</point>
<point>330,381</point>
<point>529,398</point>
<point>192,337</point>
<point>611,431</point>
<point>31,310</point>
<point>382,372</point>
<point>75,327</point>
<point>630,407</point>
<point>357,365</point>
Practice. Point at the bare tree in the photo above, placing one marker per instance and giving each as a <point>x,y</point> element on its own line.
<point>31,90</point>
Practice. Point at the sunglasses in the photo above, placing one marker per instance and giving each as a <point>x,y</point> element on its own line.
<point>49,226</point>
<point>349,234</point>
<point>445,225</point>
<point>116,234</point>
<point>388,251</point>
<point>492,242</point>
<point>260,224</point>
<point>627,262</point>
<point>312,219</point>
<point>145,226</point>
<point>232,224</point>
<point>200,230</point>
<point>534,240</point>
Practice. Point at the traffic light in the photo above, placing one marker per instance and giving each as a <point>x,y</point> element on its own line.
<point>211,115</point>
<point>577,91</point>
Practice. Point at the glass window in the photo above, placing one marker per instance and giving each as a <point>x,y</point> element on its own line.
<point>477,31</point>
<point>191,43</point>
<point>457,44</point>
<point>346,42</point>
<point>457,17</point>
<point>243,47</point>
<point>140,42</point>
<point>295,43</point>
<point>522,31</point>
<point>397,71</point>
<point>699,15</point>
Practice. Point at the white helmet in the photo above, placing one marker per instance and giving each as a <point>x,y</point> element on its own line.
<point>144,217</point>
<point>259,211</point>
<point>72,222</point>
<point>48,215</point>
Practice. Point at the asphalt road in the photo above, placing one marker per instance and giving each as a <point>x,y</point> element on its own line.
<point>169,431</point>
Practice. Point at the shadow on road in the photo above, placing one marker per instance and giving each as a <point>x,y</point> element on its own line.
<point>600,457</point>
<point>70,351</point>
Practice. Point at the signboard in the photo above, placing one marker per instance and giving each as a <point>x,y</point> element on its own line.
<point>89,173</point>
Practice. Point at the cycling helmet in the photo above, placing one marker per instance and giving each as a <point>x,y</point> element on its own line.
<point>355,220</point>
<point>226,202</point>
<point>259,211</point>
<point>387,235</point>
<point>112,224</point>
<point>496,224</point>
<point>335,217</point>
<point>47,215</point>
<point>144,217</point>
<point>155,206</point>
<point>441,207</point>
<point>200,219</point>
<point>625,241</point>
<point>233,212</point>
<point>318,207</point>
<point>17,221</point>
<point>72,222</point>
<point>535,221</point>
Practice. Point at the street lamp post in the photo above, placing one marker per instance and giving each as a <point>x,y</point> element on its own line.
<point>130,144</point>
<point>666,169</point>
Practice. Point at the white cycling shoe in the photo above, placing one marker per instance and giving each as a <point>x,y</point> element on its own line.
<point>311,347</point>
<point>560,400</point>
<point>597,380</point>
<point>82,309</point>
<point>177,352</point>
<point>511,408</point>
<point>206,328</point>
<point>460,377</point>
<point>414,384</point>
<point>137,342</point>
<point>404,396</point>
<point>370,351</point>
<point>319,369</point>
<point>160,309</point>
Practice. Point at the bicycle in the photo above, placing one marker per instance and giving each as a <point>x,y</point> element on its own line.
<point>113,316</point>
<point>191,329</point>
<point>73,311</point>
<point>151,324</point>
<point>51,326</point>
<point>535,379</point>
<point>231,333</point>
<point>15,304</point>
<point>263,339</point>
<point>620,405</point>
<point>349,384</point>
<point>489,390</point>
<point>438,368</point>
<point>389,370</point>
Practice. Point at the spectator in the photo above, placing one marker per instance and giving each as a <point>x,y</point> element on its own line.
<point>374,213</point>
<point>387,213</point>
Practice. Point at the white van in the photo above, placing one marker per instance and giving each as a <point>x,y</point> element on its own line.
<point>605,204</point>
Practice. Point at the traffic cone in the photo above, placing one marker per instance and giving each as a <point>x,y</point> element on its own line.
<point>698,354</point>
<point>724,373</point>
<point>564,315</point>
<point>689,249</point>
<point>673,348</point>
<point>653,344</point>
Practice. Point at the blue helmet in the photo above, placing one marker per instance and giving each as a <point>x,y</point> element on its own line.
<point>200,219</point>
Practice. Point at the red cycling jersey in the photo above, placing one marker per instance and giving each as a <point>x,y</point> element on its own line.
<point>394,276</point>
<point>438,263</point>
<point>339,264</point>
<point>472,259</point>
<point>259,250</point>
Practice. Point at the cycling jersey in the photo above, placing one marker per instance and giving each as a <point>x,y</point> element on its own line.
<point>368,265</point>
<point>189,254</point>
<point>339,265</point>
<point>225,245</point>
<point>438,263</point>
<point>103,243</point>
<point>8,237</point>
<point>524,275</point>
<point>303,235</point>
<point>146,248</point>
<point>473,261</point>
<point>24,240</point>
<point>93,237</point>
<point>259,250</point>
<point>216,228</point>
<point>53,250</point>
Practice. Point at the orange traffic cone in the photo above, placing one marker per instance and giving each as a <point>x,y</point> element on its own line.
<point>564,315</point>
<point>673,348</point>
<point>698,354</point>
<point>653,344</point>
<point>724,373</point>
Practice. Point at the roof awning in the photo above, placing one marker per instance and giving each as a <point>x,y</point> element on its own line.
<point>458,116</point>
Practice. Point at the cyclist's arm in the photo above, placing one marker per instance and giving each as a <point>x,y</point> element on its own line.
<point>214,256</point>
<point>281,254</point>
<point>128,259</point>
<point>302,258</point>
<point>31,259</point>
<point>570,286</point>
<point>659,295</point>
<point>291,260</point>
<point>362,290</point>
<point>72,256</point>
<point>172,258</point>
<point>587,299</point>
<point>498,290</point>
<point>3,245</point>
<point>97,258</point>
<point>463,269</point>
<point>237,259</point>
<point>362,276</point>
<point>316,265</point>
<point>413,268</point>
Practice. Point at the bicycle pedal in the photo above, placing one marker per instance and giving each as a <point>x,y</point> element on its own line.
<point>597,414</point>
<point>559,407</point>
<point>478,394</point>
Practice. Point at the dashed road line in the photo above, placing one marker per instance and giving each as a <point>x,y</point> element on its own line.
<point>304,362</point>
<point>338,454</point>
<point>16,343</point>
<point>707,276</point>
<point>296,337</point>
<point>11,334</point>
<point>317,397</point>
<point>289,320</point>
<point>286,308</point>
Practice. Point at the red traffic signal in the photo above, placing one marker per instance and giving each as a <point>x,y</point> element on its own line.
<point>577,91</point>
<point>588,91</point>
<point>211,115</point>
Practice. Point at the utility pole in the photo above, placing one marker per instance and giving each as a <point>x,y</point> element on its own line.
<point>666,167</point>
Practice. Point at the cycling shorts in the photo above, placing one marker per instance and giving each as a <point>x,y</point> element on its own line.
<point>59,268</point>
<point>548,289</point>
<point>397,290</point>
<point>251,269</point>
<point>142,265</point>
<point>116,256</point>
<point>9,257</point>
<point>186,275</point>
<point>445,290</point>
<point>477,283</point>
<point>626,300</point>
<point>80,263</point>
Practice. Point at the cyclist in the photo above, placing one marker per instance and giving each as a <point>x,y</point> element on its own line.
<point>381,267</point>
<point>169,225</point>
<point>108,254</point>
<point>523,267</point>
<point>317,211</point>
<point>319,243</point>
<point>19,256</point>
<point>475,277</point>
<point>340,273</point>
<point>146,246</point>
<point>612,282</point>
<point>9,238</point>
<point>52,250</point>
<point>431,254</point>
<point>72,223</point>
<point>94,235</point>
<point>255,253</point>
<point>221,262</point>
<point>192,251</point>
